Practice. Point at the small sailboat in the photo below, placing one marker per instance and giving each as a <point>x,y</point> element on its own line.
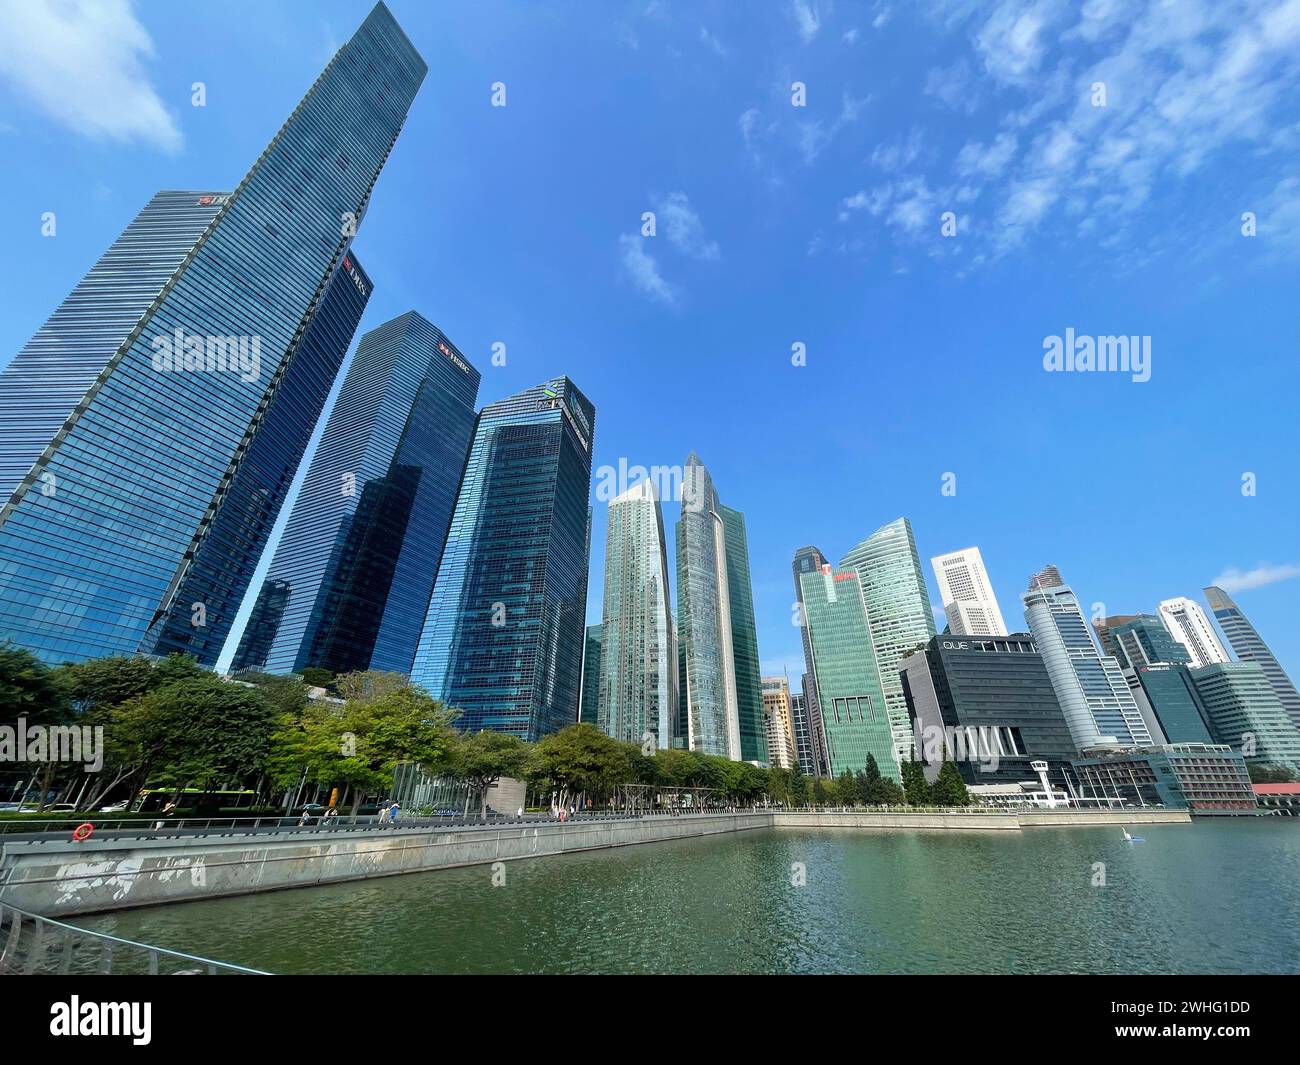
<point>1131,839</point>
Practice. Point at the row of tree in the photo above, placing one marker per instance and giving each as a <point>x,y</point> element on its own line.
<point>172,724</point>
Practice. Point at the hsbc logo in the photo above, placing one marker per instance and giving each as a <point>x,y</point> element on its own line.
<point>213,201</point>
<point>456,359</point>
<point>356,277</point>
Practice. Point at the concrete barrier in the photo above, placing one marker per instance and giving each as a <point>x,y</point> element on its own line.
<point>59,877</point>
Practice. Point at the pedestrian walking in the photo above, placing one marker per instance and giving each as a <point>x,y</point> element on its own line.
<point>393,811</point>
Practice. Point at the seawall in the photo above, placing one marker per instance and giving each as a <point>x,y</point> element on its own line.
<point>59,877</point>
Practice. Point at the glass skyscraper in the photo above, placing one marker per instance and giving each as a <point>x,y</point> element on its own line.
<point>353,572</point>
<point>136,523</point>
<point>720,693</point>
<point>898,611</point>
<point>1246,713</point>
<point>590,708</point>
<point>1250,647</point>
<point>503,633</point>
<point>809,560</point>
<point>1094,697</point>
<point>638,663</point>
<point>854,714</point>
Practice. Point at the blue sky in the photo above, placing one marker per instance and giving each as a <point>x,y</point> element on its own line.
<point>776,225</point>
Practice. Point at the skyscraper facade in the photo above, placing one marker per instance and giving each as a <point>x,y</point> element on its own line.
<point>744,639</point>
<point>809,560</point>
<point>1169,702</point>
<point>637,691</point>
<point>854,713</point>
<point>799,722</point>
<point>590,707</point>
<point>898,612</point>
<point>1143,640</point>
<point>968,600</point>
<point>136,525</point>
<point>1250,647</point>
<point>1188,624</point>
<point>353,572</point>
<point>720,700</point>
<point>1246,714</point>
<point>1095,699</point>
<point>503,633</point>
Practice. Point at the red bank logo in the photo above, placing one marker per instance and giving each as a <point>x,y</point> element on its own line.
<point>456,359</point>
<point>213,201</point>
<point>356,277</point>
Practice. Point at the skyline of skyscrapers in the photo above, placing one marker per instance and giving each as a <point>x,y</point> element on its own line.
<point>637,680</point>
<point>135,526</point>
<point>352,574</point>
<point>967,594</point>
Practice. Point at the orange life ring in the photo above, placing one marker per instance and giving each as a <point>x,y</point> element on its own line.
<point>83,831</point>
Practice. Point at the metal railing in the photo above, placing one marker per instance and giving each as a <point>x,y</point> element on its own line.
<point>36,945</point>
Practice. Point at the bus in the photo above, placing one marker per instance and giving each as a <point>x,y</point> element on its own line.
<point>198,800</point>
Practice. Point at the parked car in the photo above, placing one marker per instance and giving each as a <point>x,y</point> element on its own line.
<point>115,807</point>
<point>10,807</point>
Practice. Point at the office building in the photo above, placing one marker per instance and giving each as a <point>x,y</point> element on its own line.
<point>637,692</point>
<point>1169,703</point>
<point>1140,640</point>
<point>354,569</point>
<point>778,723</point>
<point>504,631</point>
<point>968,600</point>
<point>192,364</point>
<point>799,723</point>
<point>720,708</point>
<point>898,612</point>
<point>854,714</point>
<point>1205,779</point>
<point>590,709</point>
<point>809,560</point>
<point>1244,712</point>
<point>1250,647</point>
<point>987,704</point>
<point>1188,624</point>
<point>1095,699</point>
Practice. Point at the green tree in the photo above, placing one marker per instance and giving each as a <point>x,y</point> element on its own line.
<point>316,677</point>
<point>847,790</point>
<point>915,787</point>
<point>31,690</point>
<point>949,788</point>
<point>581,760</point>
<point>482,758</point>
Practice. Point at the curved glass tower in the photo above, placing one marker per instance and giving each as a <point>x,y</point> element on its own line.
<point>898,611</point>
<point>637,661</point>
<point>1250,647</point>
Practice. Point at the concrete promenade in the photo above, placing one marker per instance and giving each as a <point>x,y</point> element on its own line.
<point>57,876</point>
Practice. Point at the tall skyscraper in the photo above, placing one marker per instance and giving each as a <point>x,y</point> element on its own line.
<point>898,612</point>
<point>503,634</point>
<point>968,600</point>
<point>717,656</point>
<point>353,572</point>
<point>809,560</point>
<point>1096,700</point>
<point>1246,713</point>
<point>854,712</point>
<point>799,722</point>
<point>744,639</point>
<point>1250,647</point>
<point>1169,702</point>
<point>590,709</point>
<point>778,723</point>
<point>638,663</point>
<point>139,492</point>
<point>1188,624</point>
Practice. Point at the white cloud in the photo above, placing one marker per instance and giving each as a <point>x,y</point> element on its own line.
<point>900,154</point>
<point>978,161</point>
<point>1235,580</point>
<point>806,19</point>
<point>643,271</point>
<point>1012,40</point>
<point>953,85</point>
<point>683,228</point>
<point>850,36</point>
<point>81,63</point>
<point>712,42</point>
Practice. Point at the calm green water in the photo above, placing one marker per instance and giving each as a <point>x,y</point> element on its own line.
<point>1209,897</point>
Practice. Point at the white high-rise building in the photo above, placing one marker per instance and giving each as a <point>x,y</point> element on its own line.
<point>968,600</point>
<point>1188,624</point>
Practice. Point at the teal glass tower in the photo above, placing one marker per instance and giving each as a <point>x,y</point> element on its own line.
<point>353,572</point>
<point>589,711</point>
<point>503,633</point>
<point>855,717</point>
<point>898,612</point>
<point>139,497</point>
